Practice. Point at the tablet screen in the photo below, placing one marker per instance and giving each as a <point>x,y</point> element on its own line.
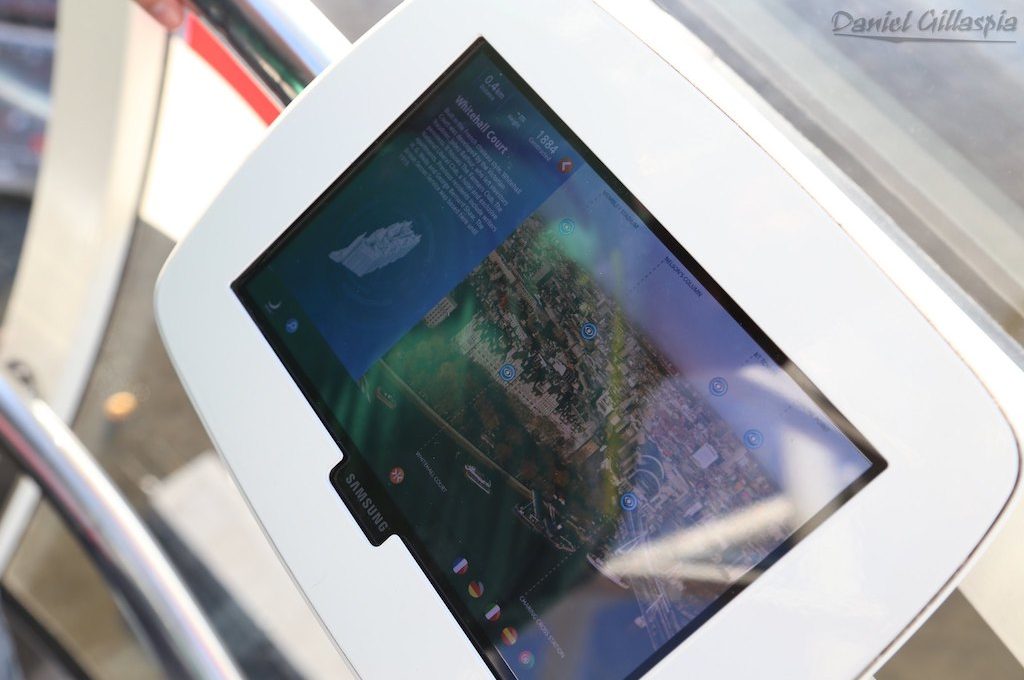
<point>588,447</point>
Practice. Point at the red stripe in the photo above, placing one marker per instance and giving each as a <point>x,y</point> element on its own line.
<point>208,46</point>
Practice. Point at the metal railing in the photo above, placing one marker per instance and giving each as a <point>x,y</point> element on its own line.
<point>145,583</point>
<point>284,44</point>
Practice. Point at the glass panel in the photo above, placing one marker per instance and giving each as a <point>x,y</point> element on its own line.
<point>26,61</point>
<point>930,130</point>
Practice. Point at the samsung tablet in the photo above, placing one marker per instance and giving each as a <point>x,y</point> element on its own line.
<point>532,364</point>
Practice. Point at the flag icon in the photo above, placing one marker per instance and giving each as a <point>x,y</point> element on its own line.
<point>476,589</point>
<point>461,566</point>
<point>493,614</point>
<point>509,635</point>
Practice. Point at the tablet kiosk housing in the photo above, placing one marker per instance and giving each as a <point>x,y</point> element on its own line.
<point>531,362</point>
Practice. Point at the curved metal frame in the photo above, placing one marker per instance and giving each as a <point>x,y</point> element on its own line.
<point>285,44</point>
<point>127,555</point>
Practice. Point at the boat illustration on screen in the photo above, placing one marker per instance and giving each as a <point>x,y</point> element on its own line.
<point>598,563</point>
<point>473,475</point>
<point>370,252</point>
<point>385,397</point>
<point>542,518</point>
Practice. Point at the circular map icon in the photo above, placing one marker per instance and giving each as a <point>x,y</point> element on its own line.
<point>507,372</point>
<point>718,386</point>
<point>753,439</point>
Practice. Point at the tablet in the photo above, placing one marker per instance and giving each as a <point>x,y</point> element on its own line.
<point>533,365</point>
<point>588,447</point>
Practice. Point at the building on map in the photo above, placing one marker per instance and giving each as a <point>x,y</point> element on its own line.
<point>705,456</point>
<point>439,312</point>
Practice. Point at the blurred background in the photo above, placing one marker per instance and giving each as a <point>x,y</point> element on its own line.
<point>114,137</point>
